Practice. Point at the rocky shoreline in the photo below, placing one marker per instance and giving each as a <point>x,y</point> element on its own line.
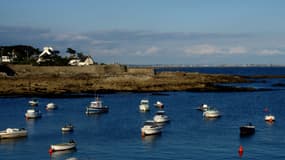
<point>31,83</point>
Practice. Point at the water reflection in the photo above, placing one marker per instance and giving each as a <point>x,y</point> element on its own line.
<point>150,139</point>
<point>62,154</point>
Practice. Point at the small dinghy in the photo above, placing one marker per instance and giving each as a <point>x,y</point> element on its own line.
<point>33,102</point>
<point>269,118</point>
<point>51,106</point>
<point>247,130</point>
<point>203,107</point>
<point>212,113</point>
<point>159,104</point>
<point>62,146</point>
<point>67,128</point>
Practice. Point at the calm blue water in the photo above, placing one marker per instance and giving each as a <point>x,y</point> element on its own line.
<point>116,135</point>
<point>245,71</point>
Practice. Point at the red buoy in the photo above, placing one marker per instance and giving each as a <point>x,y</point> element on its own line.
<point>240,150</point>
<point>50,151</point>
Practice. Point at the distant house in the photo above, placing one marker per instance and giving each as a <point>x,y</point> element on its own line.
<point>6,59</point>
<point>45,55</point>
<point>9,58</point>
<point>88,60</point>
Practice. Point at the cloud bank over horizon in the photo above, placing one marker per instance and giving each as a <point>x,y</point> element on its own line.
<point>151,47</point>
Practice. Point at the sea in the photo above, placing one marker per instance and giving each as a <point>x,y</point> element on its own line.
<point>188,136</point>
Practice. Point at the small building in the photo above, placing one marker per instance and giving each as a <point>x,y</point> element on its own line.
<point>44,56</point>
<point>6,59</point>
<point>88,60</point>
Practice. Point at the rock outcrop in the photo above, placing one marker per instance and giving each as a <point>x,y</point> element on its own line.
<point>54,81</point>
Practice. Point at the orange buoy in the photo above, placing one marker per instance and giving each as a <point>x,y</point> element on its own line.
<point>142,134</point>
<point>240,150</point>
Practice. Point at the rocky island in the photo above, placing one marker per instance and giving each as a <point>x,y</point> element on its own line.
<point>31,80</point>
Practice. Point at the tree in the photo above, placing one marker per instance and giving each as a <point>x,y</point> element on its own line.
<point>81,56</point>
<point>72,52</point>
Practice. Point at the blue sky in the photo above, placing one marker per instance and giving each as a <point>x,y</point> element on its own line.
<point>208,32</point>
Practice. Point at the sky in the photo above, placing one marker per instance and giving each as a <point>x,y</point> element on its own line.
<point>190,32</point>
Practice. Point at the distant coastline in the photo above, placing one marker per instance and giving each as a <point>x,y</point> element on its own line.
<point>86,80</point>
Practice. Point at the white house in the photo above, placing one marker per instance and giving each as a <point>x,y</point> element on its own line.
<point>46,52</point>
<point>86,62</point>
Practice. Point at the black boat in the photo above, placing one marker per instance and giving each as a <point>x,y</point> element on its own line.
<point>247,130</point>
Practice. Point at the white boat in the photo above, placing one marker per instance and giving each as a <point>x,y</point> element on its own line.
<point>62,146</point>
<point>33,102</point>
<point>33,113</point>
<point>13,133</point>
<point>203,107</point>
<point>96,107</point>
<point>269,118</point>
<point>211,113</point>
<point>150,128</point>
<point>51,106</point>
<point>144,105</point>
<point>67,128</point>
<point>159,104</point>
<point>160,117</point>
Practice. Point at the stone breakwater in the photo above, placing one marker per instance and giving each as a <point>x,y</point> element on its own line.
<point>54,81</point>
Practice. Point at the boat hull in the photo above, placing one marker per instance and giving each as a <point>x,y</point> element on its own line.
<point>51,106</point>
<point>247,130</point>
<point>161,119</point>
<point>92,110</point>
<point>14,134</point>
<point>148,132</point>
<point>269,118</point>
<point>211,114</point>
<point>144,108</point>
<point>63,146</point>
<point>33,116</point>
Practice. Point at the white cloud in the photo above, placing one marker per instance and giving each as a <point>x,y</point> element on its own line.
<point>270,52</point>
<point>152,50</point>
<point>237,50</point>
<point>71,37</point>
<point>148,51</point>
<point>207,49</point>
<point>203,49</point>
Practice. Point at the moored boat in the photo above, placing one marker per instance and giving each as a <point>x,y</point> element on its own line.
<point>246,130</point>
<point>33,102</point>
<point>150,128</point>
<point>211,113</point>
<point>13,133</point>
<point>160,117</point>
<point>33,113</point>
<point>144,105</point>
<point>51,106</point>
<point>269,118</point>
<point>203,107</point>
<point>67,128</point>
<point>62,146</point>
<point>159,104</point>
<point>96,107</point>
